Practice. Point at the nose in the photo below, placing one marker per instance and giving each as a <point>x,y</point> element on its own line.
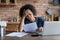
<point>27,16</point>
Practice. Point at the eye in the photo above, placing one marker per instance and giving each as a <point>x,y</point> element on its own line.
<point>29,14</point>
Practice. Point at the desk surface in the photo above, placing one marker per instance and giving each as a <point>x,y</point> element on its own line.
<point>28,37</point>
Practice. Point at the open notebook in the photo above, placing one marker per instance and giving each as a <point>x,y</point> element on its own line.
<point>17,34</point>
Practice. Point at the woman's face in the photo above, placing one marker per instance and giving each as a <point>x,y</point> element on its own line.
<point>30,15</point>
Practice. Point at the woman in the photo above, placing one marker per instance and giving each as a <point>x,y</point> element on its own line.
<point>27,13</point>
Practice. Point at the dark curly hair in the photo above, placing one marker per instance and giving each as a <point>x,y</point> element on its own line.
<point>25,7</point>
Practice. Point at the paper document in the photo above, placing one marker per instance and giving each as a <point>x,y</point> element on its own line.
<point>31,27</point>
<point>17,34</point>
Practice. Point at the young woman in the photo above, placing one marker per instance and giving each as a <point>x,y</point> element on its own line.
<point>27,13</point>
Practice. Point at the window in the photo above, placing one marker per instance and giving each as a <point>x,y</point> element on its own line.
<point>3,1</point>
<point>7,2</point>
<point>12,1</point>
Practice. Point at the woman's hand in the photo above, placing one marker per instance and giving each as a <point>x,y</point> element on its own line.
<point>40,29</point>
<point>25,13</point>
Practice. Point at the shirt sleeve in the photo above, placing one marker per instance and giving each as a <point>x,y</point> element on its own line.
<point>40,22</point>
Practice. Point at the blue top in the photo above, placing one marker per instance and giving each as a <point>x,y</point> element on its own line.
<point>39,21</point>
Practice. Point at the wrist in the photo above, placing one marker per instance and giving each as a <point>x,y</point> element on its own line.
<point>22,18</point>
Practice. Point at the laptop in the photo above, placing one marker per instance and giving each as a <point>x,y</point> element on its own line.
<point>51,28</point>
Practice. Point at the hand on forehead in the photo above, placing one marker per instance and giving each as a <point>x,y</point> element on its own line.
<point>27,12</point>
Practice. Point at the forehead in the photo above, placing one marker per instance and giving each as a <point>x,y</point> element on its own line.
<point>28,10</point>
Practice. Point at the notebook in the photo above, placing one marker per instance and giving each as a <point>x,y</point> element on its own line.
<point>17,34</point>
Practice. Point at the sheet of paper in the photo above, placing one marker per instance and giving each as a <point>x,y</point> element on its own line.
<point>31,27</point>
<point>17,34</point>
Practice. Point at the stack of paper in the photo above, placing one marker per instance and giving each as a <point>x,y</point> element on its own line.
<point>17,34</point>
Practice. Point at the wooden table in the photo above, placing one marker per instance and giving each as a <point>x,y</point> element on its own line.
<point>29,37</point>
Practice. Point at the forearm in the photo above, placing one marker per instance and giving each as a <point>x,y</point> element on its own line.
<point>21,23</point>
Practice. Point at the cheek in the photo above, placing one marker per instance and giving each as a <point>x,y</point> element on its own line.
<point>32,16</point>
<point>28,17</point>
